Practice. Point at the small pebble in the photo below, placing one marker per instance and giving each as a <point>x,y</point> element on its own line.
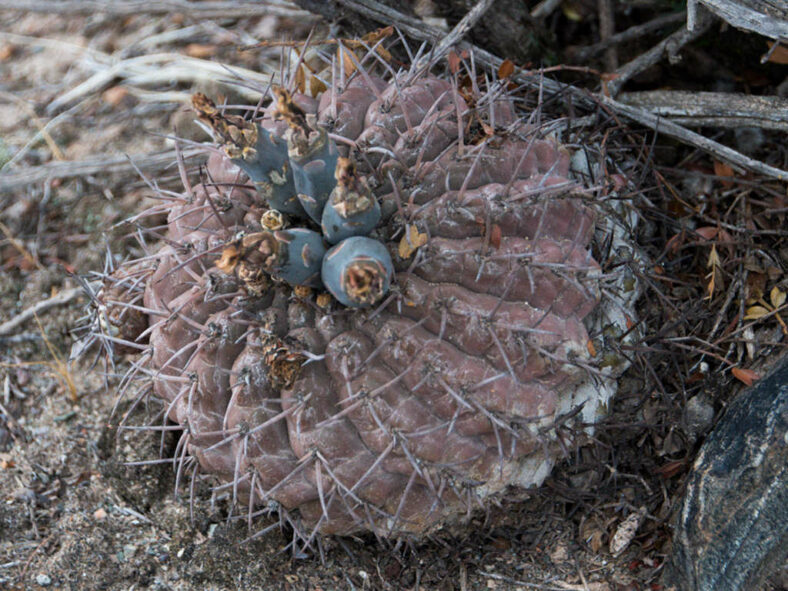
<point>43,580</point>
<point>698,416</point>
<point>99,514</point>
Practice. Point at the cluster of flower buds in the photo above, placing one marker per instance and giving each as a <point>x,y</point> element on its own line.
<point>303,176</point>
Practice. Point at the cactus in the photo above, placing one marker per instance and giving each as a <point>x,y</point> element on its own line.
<point>313,156</point>
<point>260,154</point>
<point>454,353</point>
<point>352,209</point>
<point>357,271</point>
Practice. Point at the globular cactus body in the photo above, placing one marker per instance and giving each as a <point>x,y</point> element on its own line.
<point>456,341</point>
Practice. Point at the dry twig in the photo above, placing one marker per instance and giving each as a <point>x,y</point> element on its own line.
<point>669,46</point>
<point>104,165</point>
<point>196,10</point>
<point>459,31</point>
<point>419,30</point>
<point>161,68</point>
<point>607,27</point>
<point>64,297</point>
<point>635,32</point>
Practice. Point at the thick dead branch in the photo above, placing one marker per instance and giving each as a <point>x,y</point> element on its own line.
<point>712,109</point>
<point>669,46</point>
<point>767,17</point>
<point>197,10</point>
<point>636,32</point>
<point>665,127</point>
<point>418,30</point>
<point>107,165</point>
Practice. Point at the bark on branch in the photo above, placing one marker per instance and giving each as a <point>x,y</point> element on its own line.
<point>713,109</point>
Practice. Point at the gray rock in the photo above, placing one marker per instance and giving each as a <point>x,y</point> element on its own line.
<point>732,528</point>
<point>43,580</point>
<point>698,416</point>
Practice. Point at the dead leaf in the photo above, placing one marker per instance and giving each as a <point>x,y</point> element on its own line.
<point>373,37</point>
<point>454,62</point>
<point>348,62</point>
<point>300,79</point>
<point>559,554</point>
<point>712,276</point>
<point>316,86</point>
<point>411,242</point>
<point>506,69</point>
<point>707,232</point>
<point>723,170</point>
<point>674,243</point>
<point>590,347</point>
<point>746,376</point>
<point>671,469</point>
<point>756,312</point>
<point>6,51</point>
<point>777,297</point>
<point>115,95</point>
<point>779,55</point>
<point>593,535</point>
<point>200,50</point>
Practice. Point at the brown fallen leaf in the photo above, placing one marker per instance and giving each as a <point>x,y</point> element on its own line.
<point>200,50</point>
<point>746,376</point>
<point>779,55</point>
<point>506,69</point>
<point>6,51</point>
<point>115,95</point>
<point>723,170</point>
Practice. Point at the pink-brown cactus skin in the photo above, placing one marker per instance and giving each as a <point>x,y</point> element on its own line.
<point>403,417</point>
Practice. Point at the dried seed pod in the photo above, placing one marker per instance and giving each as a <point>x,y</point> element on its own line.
<point>313,156</point>
<point>357,271</point>
<point>273,220</point>
<point>260,154</point>
<point>352,209</point>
